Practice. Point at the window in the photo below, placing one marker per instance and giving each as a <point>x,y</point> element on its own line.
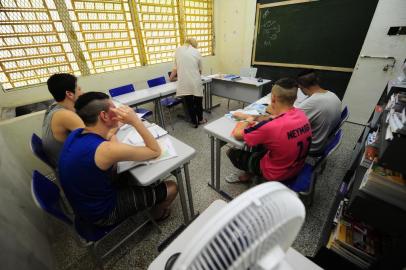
<point>105,33</point>
<point>42,37</point>
<point>198,23</point>
<point>33,43</point>
<point>159,29</point>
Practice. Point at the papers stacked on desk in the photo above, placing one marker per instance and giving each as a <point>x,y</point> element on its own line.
<point>254,109</point>
<point>134,138</point>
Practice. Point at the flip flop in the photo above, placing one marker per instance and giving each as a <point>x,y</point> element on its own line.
<point>204,121</point>
<point>165,215</point>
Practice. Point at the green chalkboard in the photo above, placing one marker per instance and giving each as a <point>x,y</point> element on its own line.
<point>324,34</point>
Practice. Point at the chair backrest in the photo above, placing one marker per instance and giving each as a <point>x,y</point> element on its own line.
<point>156,81</point>
<point>38,150</point>
<point>333,143</point>
<point>118,91</point>
<point>47,196</point>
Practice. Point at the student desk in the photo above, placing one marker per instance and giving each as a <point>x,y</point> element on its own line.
<point>150,174</point>
<point>156,93</point>
<point>143,96</point>
<point>293,258</point>
<point>245,89</point>
<point>220,134</point>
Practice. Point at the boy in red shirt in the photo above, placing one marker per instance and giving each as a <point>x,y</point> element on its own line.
<point>285,136</point>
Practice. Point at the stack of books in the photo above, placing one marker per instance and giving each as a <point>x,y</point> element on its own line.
<point>354,240</point>
<point>385,184</point>
<point>397,113</point>
<point>371,149</point>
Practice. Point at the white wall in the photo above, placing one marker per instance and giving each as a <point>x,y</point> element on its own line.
<point>235,34</point>
<point>368,79</point>
<point>24,231</point>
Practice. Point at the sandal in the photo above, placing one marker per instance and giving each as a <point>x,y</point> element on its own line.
<point>165,215</point>
<point>236,178</point>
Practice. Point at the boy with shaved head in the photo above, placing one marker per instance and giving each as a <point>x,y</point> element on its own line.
<point>88,159</point>
<point>284,137</point>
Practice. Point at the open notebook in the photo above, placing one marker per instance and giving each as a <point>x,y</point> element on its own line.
<point>133,138</point>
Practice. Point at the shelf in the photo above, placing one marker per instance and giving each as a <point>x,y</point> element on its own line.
<point>391,152</point>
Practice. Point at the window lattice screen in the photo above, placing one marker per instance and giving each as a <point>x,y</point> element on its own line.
<point>95,35</point>
<point>198,23</point>
<point>105,33</point>
<point>33,43</point>
<point>159,29</point>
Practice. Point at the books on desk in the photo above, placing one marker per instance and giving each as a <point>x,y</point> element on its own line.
<point>385,184</point>
<point>133,138</point>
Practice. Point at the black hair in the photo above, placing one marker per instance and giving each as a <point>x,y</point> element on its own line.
<point>287,83</point>
<point>307,78</point>
<point>59,83</point>
<point>89,105</point>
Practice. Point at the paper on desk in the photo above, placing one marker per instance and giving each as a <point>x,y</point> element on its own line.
<point>167,152</point>
<point>134,138</point>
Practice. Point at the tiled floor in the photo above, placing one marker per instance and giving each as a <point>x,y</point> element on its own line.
<point>139,251</point>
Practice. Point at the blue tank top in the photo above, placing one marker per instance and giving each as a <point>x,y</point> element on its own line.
<point>88,189</point>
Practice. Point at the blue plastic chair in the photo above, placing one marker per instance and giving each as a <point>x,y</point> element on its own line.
<point>38,150</point>
<point>46,195</point>
<point>125,89</point>
<point>168,102</point>
<point>306,180</point>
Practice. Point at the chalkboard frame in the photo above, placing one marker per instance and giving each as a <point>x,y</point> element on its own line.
<point>290,65</point>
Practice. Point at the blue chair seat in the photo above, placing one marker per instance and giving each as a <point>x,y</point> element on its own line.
<point>171,102</point>
<point>303,181</point>
<point>146,112</point>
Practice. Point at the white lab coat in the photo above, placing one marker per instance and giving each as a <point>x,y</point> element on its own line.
<point>188,62</point>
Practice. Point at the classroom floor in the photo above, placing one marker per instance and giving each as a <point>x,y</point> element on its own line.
<point>139,251</point>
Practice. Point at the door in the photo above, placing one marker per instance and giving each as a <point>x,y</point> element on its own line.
<point>380,60</point>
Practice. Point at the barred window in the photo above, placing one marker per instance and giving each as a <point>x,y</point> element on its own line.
<point>198,23</point>
<point>41,37</point>
<point>33,43</point>
<point>159,29</point>
<point>105,33</point>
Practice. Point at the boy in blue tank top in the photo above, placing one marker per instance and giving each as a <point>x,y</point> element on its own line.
<point>89,156</point>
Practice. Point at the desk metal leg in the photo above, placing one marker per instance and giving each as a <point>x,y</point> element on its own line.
<point>218,161</point>
<point>160,113</point>
<point>189,190</point>
<point>212,163</point>
<point>179,180</point>
<point>210,99</point>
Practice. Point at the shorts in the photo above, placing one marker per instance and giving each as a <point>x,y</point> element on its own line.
<point>132,199</point>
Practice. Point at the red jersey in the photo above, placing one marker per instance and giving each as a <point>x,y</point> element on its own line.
<point>287,139</point>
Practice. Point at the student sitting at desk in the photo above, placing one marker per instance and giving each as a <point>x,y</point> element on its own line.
<point>322,107</point>
<point>88,159</point>
<point>60,118</point>
<point>285,137</point>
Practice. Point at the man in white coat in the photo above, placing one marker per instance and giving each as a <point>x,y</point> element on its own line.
<point>188,69</point>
